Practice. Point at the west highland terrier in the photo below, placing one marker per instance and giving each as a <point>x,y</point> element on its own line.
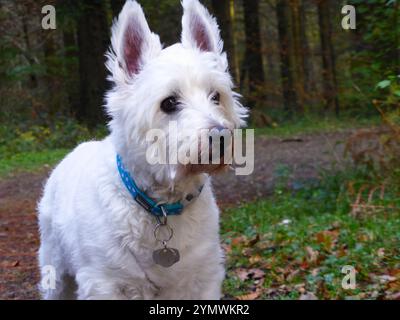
<point>114,225</point>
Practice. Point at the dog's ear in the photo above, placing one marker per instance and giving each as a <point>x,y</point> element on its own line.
<point>199,28</point>
<point>132,43</point>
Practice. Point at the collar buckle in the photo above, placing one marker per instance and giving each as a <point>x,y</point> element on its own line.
<point>143,203</point>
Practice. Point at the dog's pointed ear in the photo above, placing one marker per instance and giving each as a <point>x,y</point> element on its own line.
<point>132,43</point>
<point>199,28</point>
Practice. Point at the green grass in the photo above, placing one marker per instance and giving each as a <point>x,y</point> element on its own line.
<point>309,125</point>
<point>307,254</point>
<point>30,161</point>
<point>28,146</point>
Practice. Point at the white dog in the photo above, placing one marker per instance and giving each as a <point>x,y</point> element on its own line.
<point>103,229</point>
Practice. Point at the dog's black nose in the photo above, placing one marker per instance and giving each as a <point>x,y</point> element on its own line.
<point>217,135</point>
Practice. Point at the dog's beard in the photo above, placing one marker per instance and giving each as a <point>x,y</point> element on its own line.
<point>205,168</point>
<point>211,166</point>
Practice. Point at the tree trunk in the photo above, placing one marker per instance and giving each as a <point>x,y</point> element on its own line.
<point>307,59</point>
<point>223,12</point>
<point>298,55</point>
<point>92,42</point>
<point>116,6</point>
<point>328,58</point>
<point>286,57</point>
<point>253,64</point>
<point>33,81</point>
<point>50,78</point>
<point>71,72</point>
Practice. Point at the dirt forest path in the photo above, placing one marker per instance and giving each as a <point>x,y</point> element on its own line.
<point>303,156</point>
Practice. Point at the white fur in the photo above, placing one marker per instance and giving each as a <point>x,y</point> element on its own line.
<point>99,240</point>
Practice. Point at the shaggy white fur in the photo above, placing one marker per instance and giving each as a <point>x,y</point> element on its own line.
<point>98,239</point>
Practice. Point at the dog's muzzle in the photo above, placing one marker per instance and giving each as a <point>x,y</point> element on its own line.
<point>213,151</point>
<point>219,138</point>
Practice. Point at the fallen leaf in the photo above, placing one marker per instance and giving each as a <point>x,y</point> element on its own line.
<point>271,291</point>
<point>327,238</point>
<point>253,241</point>
<point>312,254</point>
<point>386,278</point>
<point>280,270</point>
<point>291,275</point>
<point>257,273</point>
<point>250,296</point>
<point>304,264</point>
<point>247,252</point>
<point>381,252</point>
<point>255,259</point>
<point>253,273</point>
<point>300,287</point>
<point>395,296</point>
<point>308,296</point>
<point>242,273</point>
<point>395,273</point>
<point>394,285</point>
<point>315,272</point>
<point>322,290</point>
<point>336,225</point>
<point>227,248</point>
<point>258,282</point>
<point>342,252</point>
<point>238,240</point>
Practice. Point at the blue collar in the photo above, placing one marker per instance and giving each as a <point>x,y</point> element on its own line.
<point>145,201</point>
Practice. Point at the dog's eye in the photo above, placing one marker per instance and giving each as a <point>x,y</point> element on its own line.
<point>215,97</point>
<point>169,104</point>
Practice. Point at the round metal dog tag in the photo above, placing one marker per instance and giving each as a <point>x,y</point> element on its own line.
<point>166,257</point>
